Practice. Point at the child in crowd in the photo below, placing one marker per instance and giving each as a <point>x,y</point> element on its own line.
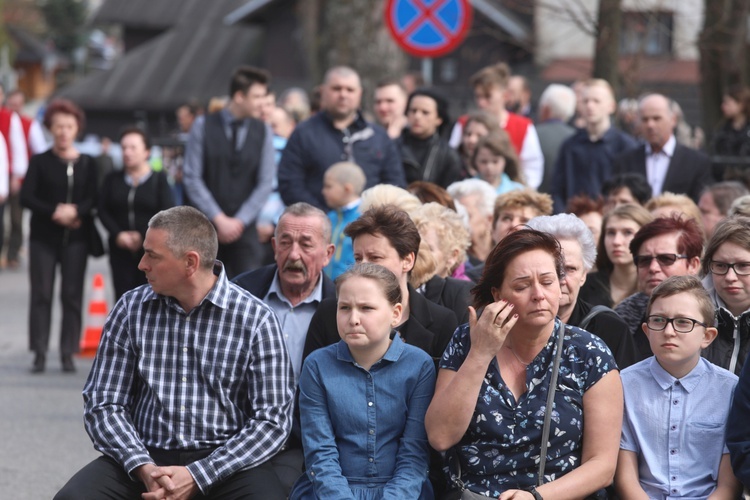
<point>343,183</point>
<point>363,400</point>
<point>676,404</point>
<point>496,162</point>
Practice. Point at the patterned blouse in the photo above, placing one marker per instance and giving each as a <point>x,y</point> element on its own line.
<point>500,450</point>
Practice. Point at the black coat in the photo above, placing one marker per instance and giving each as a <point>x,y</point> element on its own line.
<point>429,327</point>
<point>451,293</point>
<point>689,170</point>
<point>609,327</point>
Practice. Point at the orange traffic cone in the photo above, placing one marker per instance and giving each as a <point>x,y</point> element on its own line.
<point>95,320</point>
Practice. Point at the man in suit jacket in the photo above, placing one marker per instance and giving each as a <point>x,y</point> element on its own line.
<point>295,285</point>
<point>556,107</point>
<point>668,166</point>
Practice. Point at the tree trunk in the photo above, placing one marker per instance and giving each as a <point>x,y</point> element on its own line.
<point>607,48</point>
<point>352,33</point>
<point>721,45</point>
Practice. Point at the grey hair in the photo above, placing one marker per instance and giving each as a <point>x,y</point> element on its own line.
<point>560,100</point>
<point>568,227</point>
<point>740,206</point>
<point>188,229</point>
<point>302,209</point>
<point>470,187</point>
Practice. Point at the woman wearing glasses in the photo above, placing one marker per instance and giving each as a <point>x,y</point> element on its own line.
<point>727,262</point>
<point>664,247</point>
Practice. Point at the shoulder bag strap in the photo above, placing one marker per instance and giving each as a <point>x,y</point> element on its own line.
<point>592,313</point>
<point>550,403</point>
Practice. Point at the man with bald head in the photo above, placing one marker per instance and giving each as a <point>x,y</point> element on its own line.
<point>668,166</point>
<point>338,133</point>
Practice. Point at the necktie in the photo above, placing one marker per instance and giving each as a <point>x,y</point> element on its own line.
<point>236,124</point>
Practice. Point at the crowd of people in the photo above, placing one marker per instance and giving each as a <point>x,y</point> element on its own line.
<point>524,302</point>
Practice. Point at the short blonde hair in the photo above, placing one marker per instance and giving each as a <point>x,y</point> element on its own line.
<point>448,226</point>
<point>681,204</point>
<point>541,202</point>
<point>347,172</point>
<point>425,266</point>
<point>387,194</point>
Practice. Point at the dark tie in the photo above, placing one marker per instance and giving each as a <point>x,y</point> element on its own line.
<point>236,124</point>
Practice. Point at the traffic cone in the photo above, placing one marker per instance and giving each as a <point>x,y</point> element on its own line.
<point>95,320</point>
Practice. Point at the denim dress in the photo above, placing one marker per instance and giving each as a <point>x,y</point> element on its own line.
<point>363,431</point>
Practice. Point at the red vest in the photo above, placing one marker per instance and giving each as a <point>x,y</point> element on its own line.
<point>516,127</point>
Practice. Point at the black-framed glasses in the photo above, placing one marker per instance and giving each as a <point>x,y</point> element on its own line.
<point>679,324</point>
<point>722,268</point>
<point>664,259</point>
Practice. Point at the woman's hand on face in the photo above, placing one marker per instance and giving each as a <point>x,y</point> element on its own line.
<point>489,331</point>
<point>516,495</point>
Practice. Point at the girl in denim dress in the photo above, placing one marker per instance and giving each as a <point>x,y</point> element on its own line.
<point>363,400</point>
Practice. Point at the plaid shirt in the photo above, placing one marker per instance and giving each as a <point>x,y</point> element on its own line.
<point>219,376</point>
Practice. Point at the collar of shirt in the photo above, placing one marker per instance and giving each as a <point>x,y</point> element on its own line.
<point>275,289</point>
<point>218,295</point>
<point>392,354</point>
<point>666,380</point>
<point>129,180</point>
<point>358,124</point>
<point>667,150</point>
<point>353,204</point>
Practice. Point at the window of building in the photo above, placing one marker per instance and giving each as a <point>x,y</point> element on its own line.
<point>648,33</point>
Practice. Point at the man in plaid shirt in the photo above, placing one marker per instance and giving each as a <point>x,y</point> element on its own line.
<point>192,388</point>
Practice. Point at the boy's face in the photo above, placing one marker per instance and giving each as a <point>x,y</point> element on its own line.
<point>678,353</point>
<point>335,193</point>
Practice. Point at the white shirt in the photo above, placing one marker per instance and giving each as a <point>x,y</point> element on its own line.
<point>657,164</point>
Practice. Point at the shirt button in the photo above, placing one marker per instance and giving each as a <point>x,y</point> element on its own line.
<point>182,408</point>
<point>184,379</point>
<point>673,427</point>
<point>372,431</point>
<point>370,460</point>
<point>674,490</point>
<point>184,349</point>
<point>369,403</point>
<point>676,401</point>
<point>676,382</point>
<point>672,452</point>
<point>181,436</point>
<point>674,478</point>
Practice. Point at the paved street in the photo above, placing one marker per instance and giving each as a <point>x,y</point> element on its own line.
<point>42,440</point>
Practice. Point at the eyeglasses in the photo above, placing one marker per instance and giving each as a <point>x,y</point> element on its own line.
<point>664,259</point>
<point>722,268</point>
<point>680,325</point>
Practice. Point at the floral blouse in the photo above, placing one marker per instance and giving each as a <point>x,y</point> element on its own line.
<point>500,450</point>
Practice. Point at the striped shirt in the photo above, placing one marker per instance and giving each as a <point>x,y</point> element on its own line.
<point>216,377</point>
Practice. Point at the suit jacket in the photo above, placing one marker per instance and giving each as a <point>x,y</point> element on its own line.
<point>689,170</point>
<point>451,293</point>
<point>259,281</point>
<point>430,326</point>
<point>551,134</point>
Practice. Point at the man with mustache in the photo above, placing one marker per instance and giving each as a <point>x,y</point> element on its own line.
<point>295,284</point>
<point>293,287</point>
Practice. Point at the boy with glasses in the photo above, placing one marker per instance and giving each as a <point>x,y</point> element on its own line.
<point>669,246</point>
<point>676,404</point>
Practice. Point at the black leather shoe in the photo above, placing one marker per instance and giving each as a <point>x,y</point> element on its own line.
<point>67,364</point>
<point>39,361</point>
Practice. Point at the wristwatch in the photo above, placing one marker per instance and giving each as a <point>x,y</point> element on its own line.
<point>537,495</point>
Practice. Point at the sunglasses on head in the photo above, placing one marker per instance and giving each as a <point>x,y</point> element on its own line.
<point>664,259</point>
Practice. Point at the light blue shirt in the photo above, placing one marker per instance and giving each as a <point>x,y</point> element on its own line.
<point>677,427</point>
<point>294,320</point>
<point>363,430</point>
